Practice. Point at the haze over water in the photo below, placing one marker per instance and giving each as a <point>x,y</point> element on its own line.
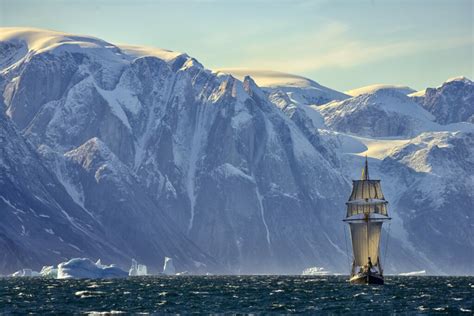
<point>238,294</point>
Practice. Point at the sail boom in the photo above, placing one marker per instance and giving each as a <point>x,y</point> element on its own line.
<point>367,202</point>
<point>366,209</point>
<point>367,217</point>
<point>349,219</point>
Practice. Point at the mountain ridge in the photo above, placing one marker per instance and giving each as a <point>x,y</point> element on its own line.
<point>234,177</point>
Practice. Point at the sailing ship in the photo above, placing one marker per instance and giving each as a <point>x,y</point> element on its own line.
<point>366,213</point>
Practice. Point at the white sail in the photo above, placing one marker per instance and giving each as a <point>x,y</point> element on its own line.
<point>365,243</point>
<point>366,197</point>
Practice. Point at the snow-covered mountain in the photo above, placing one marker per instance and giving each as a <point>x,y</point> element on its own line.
<point>135,131</point>
<point>164,157</point>
<point>296,88</point>
<point>40,221</point>
<point>383,113</point>
<point>451,102</point>
<point>429,182</point>
<point>438,201</point>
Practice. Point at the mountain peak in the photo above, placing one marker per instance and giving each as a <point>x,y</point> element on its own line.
<point>39,40</point>
<point>459,79</point>
<point>269,78</point>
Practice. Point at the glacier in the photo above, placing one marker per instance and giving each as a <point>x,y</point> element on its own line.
<point>120,152</point>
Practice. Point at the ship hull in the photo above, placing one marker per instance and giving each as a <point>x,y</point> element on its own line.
<point>364,278</point>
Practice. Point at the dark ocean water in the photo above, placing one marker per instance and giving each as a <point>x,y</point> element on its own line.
<point>234,294</point>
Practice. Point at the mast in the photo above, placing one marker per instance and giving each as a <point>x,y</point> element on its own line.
<point>365,177</point>
<point>365,171</point>
<point>366,211</point>
<point>367,236</point>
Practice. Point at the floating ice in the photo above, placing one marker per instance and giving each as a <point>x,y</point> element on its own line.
<point>83,268</point>
<point>315,271</point>
<point>182,273</point>
<point>168,268</point>
<point>49,272</point>
<point>26,273</point>
<point>137,269</point>
<point>422,272</point>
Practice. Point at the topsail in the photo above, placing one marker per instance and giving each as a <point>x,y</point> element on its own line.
<point>367,196</point>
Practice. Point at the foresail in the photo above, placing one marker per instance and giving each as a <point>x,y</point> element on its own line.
<point>366,189</point>
<point>366,197</point>
<point>365,244</point>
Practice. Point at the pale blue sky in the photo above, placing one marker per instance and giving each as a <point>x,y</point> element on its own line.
<point>341,44</point>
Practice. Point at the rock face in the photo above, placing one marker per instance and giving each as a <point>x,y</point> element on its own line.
<point>452,102</point>
<point>437,200</point>
<point>144,153</point>
<point>40,222</point>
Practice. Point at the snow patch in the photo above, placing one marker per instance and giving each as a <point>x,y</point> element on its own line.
<point>262,214</point>
<point>143,51</point>
<point>228,170</point>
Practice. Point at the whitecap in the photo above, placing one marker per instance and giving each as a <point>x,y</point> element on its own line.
<point>359,294</point>
<point>87,294</point>
<point>112,312</point>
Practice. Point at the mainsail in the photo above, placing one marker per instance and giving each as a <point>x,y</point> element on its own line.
<point>366,212</point>
<point>365,241</point>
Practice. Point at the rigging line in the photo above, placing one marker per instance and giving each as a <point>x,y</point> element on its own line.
<point>347,251</point>
<point>367,236</point>
<point>386,241</point>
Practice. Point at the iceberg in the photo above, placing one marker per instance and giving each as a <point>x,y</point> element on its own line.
<point>422,272</point>
<point>168,267</point>
<point>25,273</point>
<point>182,273</point>
<point>84,268</point>
<point>49,272</point>
<point>142,269</point>
<point>137,269</point>
<point>315,271</point>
